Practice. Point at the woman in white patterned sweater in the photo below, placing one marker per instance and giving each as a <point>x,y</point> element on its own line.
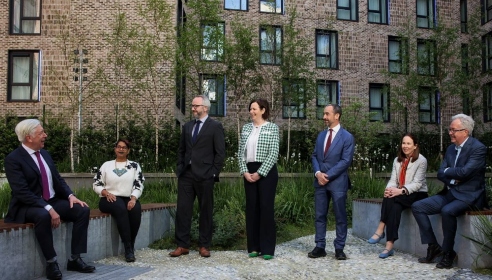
<point>119,183</point>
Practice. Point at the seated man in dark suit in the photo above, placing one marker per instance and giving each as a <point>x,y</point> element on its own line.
<point>41,196</point>
<point>463,173</point>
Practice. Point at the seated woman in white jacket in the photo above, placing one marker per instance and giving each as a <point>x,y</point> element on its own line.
<point>406,185</point>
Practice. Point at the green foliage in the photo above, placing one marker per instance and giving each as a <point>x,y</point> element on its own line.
<point>294,203</point>
<point>8,141</point>
<point>483,237</point>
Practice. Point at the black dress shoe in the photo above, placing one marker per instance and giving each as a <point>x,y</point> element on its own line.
<point>79,265</point>
<point>340,255</point>
<point>433,251</point>
<point>317,252</point>
<point>447,260</point>
<point>53,271</point>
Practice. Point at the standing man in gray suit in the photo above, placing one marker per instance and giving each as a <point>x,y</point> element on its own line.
<point>463,173</point>
<point>201,157</point>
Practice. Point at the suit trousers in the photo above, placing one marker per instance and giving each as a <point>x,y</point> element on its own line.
<point>391,212</point>
<point>42,225</point>
<point>189,188</point>
<point>449,207</point>
<point>127,221</point>
<point>260,211</point>
<point>322,197</point>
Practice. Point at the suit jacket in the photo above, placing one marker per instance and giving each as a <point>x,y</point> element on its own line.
<point>25,181</point>
<point>207,154</point>
<point>414,177</point>
<point>337,160</point>
<point>469,171</point>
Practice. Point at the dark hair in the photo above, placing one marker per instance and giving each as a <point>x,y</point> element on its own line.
<point>336,110</point>
<point>127,143</point>
<point>263,104</point>
<point>415,155</point>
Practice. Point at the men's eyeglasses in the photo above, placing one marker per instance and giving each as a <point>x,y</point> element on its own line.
<point>453,131</point>
<point>195,106</point>
<point>121,148</point>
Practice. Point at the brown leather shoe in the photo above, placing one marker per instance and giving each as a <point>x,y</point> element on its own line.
<point>204,252</point>
<point>179,251</point>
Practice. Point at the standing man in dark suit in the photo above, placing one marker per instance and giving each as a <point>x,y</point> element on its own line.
<point>463,174</point>
<point>331,159</point>
<point>201,157</point>
<point>41,196</point>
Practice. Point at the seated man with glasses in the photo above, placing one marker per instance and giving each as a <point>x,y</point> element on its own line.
<point>463,173</point>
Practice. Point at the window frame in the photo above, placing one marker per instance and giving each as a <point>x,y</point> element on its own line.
<point>218,105</point>
<point>354,15</point>
<point>216,48</point>
<point>35,85</point>
<point>384,109</point>
<point>276,50</point>
<point>279,4</point>
<point>487,52</point>
<point>433,111</point>
<point>430,18</point>
<point>333,90</point>
<point>464,59</point>
<point>300,105</point>
<point>403,48</point>
<point>333,63</point>
<point>382,12</point>
<point>242,3</point>
<point>464,16</point>
<point>22,18</point>
<point>486,11</point>
<point>428,67</point>
<point>487,102</point>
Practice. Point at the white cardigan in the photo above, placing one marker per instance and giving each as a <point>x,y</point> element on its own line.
<point>414,178</point>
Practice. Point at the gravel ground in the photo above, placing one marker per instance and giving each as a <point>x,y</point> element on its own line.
<point>291,262</point>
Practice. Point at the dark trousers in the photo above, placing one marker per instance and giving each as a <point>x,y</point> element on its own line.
<point>260,213</point>
<point>322,197</point>
<point>449,208</point>
<point>391,212</point>
<point>128,222</point>
<point>188,189</point>
<point>42,225</point>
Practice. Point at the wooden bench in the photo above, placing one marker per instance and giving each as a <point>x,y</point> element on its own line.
<point>21,256</point>
<point>365,219</point>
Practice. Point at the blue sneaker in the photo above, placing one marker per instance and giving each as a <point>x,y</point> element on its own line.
<point>386,253</point>
<point>374,241</point>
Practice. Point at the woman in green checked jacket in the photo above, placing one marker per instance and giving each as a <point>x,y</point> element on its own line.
<point>258,152</point>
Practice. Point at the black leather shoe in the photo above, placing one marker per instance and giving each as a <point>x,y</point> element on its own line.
<point>317,252</point>
<point>433,251</point>
<point>340,255</point>
<point>53,271</point>
<point>447,260</point>
<point>79,265</point>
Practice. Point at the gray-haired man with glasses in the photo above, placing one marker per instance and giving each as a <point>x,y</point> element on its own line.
<point>463,173</point>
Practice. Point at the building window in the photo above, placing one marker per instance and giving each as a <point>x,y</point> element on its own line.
<point>213,86</point>
<point>397,55</point>
<point>377,11</point>
<point>272,6</point>
<point>212,41</point>
<point>487,52</point>
<point>326,49</point>
<point>347,10</point>
<point>271,45</point>
<point>379,102</point>
<point>240,5</point>
<point>294,99</point>
<point>326,93</point>
<point>487,100</point>
<point>464,58</point>
<point>427,105</point>
<point>466,100</point>
<point>426,59</point>
<point>25,16</point>
<point>24,82</point>
<point>464,16</point>
<point>426,12</point>
<point>486,11</point>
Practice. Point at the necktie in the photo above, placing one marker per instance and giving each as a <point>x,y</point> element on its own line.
<point>328,142</point>
<point>458,150</point>
<point>195,132</point>
<point>44,177</point>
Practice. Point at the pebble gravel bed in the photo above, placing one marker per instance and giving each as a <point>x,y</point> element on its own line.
<point>291,262</point>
